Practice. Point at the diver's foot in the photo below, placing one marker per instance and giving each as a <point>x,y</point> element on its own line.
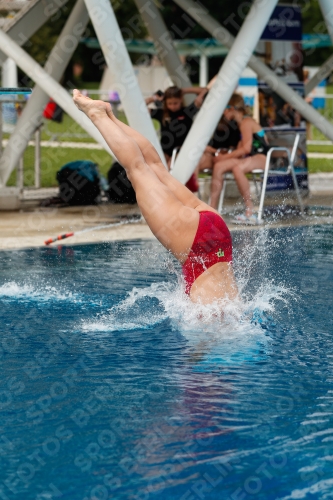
<point>93,109</point>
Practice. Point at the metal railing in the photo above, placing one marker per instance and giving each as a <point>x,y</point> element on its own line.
<point>6,129</point>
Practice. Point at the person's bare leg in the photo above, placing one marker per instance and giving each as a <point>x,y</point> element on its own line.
<point>243,167</point>
<point>219,170</point>
<point>244,189</point>
<point>148,151</point>
<point>173,223</point>
<point>153,159</point>
<point>206,162</point>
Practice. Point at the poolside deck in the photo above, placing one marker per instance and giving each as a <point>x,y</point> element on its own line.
<point>32,226</point>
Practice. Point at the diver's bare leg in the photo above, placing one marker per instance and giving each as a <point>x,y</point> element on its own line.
<point>153,159</point>
<point>173,223</point>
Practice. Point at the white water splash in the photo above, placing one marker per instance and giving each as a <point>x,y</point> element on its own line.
<point>41,293</point>
<point>214,341</point>
<point>221,319</point>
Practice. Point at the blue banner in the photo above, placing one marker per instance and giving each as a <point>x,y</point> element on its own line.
<point>284,24</point>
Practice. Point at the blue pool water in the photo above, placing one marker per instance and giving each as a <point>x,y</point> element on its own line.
<point>112,388</point>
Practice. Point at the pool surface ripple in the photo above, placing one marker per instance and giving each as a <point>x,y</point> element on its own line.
<point>112,387</point>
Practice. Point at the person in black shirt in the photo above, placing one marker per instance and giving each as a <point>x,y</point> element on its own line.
<point>174,117</point>
<point>226,137</point>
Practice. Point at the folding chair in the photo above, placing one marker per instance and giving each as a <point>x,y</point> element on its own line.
<point>263,176</point>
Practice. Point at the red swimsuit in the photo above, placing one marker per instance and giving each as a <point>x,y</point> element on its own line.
<point>212,244</point>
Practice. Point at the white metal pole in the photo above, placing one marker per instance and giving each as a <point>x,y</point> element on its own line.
<point>52,88</point>
<point>163,42</point>
<point>20,173</point>
<point>1,134</point>
<point>120,65</point>
<point>9,73</point>
<point>199,14</point>
<point>323,72</point>
<point>56,64</point>
<point>219,95</point>
<point>327,10</point>
<point>203,70</point>
<point>37,157</point>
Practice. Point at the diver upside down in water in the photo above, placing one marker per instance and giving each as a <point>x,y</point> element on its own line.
<point>190,229</point>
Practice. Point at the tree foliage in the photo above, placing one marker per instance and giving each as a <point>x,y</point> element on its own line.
<point>314,23</point>
<point>229,13</point>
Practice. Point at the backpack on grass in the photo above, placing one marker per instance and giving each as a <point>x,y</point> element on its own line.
<point>79,183</point>
<point>120,189</point>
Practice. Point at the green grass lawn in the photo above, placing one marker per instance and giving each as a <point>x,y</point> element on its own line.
<point>68,130</point>
<point>319,165</point>
<point>328,114</point>
<point>53,159</point>
<point>313,148</point>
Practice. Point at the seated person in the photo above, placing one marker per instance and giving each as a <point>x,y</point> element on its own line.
<point>250,154</point>
<point>226,137</point>
<point>176,119</point>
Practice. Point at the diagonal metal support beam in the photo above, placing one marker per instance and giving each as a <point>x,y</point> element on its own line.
<point>56,64</point>
<point>164,45</point>
<point>121,69</point>
<point>323,72</point>
<point>327,10</point>
<point>26,22</point>
<point>199,14</point>
<point>50,87</point>
<point>219,95</point>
